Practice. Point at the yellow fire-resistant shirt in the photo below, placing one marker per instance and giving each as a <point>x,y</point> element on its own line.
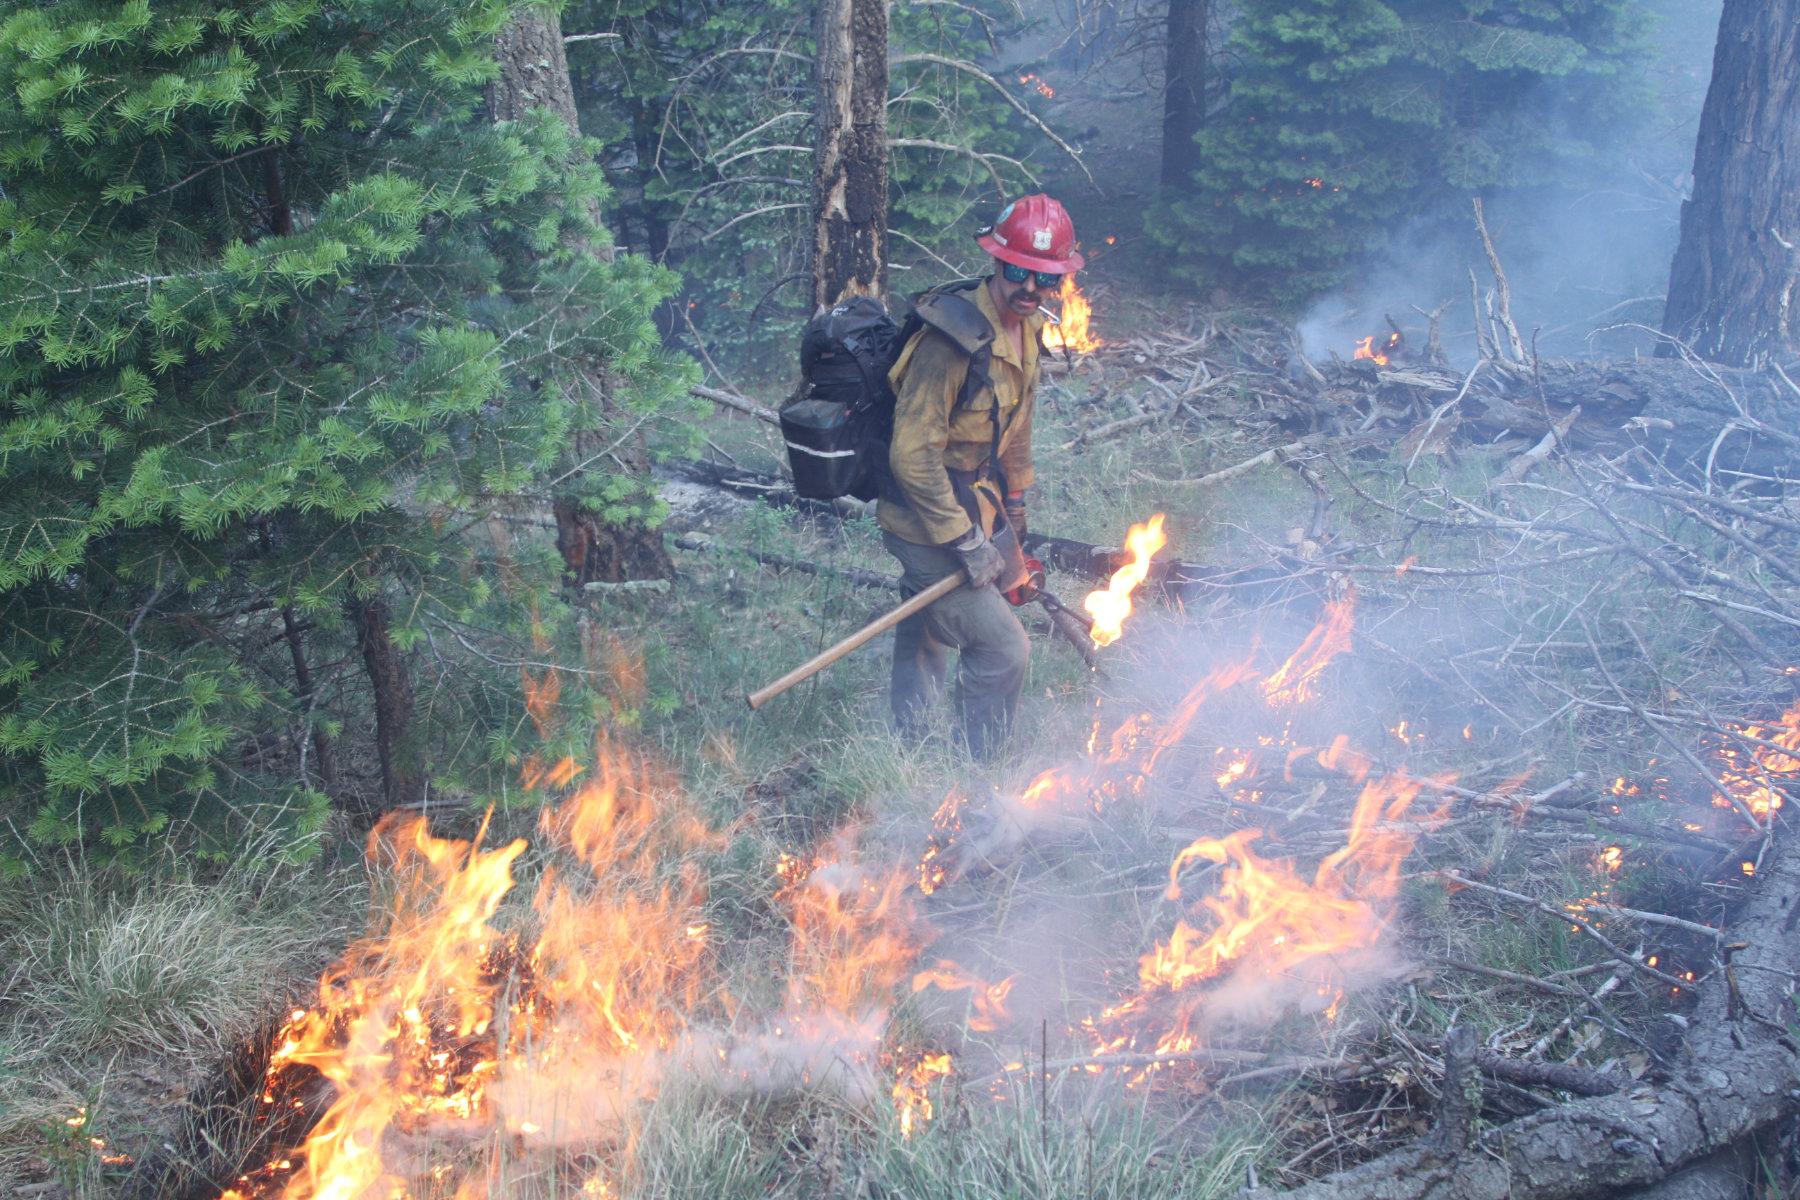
<point>932,434</point>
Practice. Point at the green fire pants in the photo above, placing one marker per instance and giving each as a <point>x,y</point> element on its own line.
<point>990,671</point>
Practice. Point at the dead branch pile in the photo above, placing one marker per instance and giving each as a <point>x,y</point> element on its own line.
<point>1627,588</point>
<point>1695,418</point>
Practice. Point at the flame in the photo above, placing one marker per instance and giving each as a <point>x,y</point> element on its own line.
<point>1072,334</point>
<point>441,1027</point>
<point>946,825</point>
<point>912,1098</point>
<point>1293,682</point>
<point>462,1024</point>
<point>987,1000</point>
<point>1270,937</point>
<point>1037,84</point>
<point>1754,782</point>
<point>1110,607</point>
<point>1366,349</point>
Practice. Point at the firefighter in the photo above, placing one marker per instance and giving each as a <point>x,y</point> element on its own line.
<point>960,462</point>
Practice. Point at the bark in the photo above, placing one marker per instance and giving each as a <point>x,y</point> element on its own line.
<point>1735,283</point>
<point>1724,1176</point>
<point>850,166</point>
<point>390,677</point>
<point>1184,92</point>
<point>1738,1073</point>
<point>306,696</point>
<point>534,73</point>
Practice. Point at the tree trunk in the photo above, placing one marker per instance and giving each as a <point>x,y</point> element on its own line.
<point>391,679</point>
<point>306,695</point>
<point>850,180</point>
<point>1734,290</point>
<point>1184,92</point>
<point>534,73</point>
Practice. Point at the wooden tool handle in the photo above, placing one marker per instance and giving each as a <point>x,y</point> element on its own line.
<point>879,625</point>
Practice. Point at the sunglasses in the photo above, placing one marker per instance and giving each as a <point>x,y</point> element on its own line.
<point>1045,280</point>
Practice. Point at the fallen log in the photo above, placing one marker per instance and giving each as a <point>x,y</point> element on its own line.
<point>1174,579</point>
<point>1737,1074</point>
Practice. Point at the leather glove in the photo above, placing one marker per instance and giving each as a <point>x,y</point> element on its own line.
<point>980,557</point>
<point>1015,516</point>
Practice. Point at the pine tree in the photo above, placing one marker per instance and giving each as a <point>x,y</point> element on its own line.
<point>706,108</point>
<point>278,307</point>
<point>1349,117</point>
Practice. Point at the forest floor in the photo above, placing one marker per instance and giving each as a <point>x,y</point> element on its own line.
<point>1464,686</point>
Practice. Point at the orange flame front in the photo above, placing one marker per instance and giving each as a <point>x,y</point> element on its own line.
<point>1072,334</point>
<point>1293,682</point>
<point>1110,607</point>
<point>441,1029</point>
<point>1275,941</point>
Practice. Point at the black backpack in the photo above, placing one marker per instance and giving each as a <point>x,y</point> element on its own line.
<point>838,431</point>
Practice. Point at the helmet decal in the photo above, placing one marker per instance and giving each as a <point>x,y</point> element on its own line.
<point>1040,239</point>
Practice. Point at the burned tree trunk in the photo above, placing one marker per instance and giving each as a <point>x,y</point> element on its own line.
<point>850,180</point>
<point>534,73</point>
<point>390,678</point>
<point>1734,289</point>
<point>1184,92</point>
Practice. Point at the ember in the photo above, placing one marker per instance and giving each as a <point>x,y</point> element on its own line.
<point>911,1092</point>
<point>1753,781</point>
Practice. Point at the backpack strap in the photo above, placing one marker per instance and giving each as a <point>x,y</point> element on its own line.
<point>955,316</point>
<point>950,312</point>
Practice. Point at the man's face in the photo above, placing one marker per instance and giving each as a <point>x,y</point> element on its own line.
<point>1018,299</point>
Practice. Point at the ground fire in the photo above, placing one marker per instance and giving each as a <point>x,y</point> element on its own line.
<point>459,1018</point>
<point>1070,333</point>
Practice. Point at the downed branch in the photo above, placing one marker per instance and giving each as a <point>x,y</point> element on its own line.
<point>739,403</point>
<point>1738,1073</point>
<point>1564,1077</point>
<point>1565,915</point>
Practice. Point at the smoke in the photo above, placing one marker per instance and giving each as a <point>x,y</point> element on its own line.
<point>1587,257</point>
<point>1223,783</point>
<point>585,1097</point>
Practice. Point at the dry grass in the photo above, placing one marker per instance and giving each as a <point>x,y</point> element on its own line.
<point>113,981</point>
<point>124,990</point>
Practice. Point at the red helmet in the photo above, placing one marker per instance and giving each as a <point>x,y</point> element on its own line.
<point>1035,233</point>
